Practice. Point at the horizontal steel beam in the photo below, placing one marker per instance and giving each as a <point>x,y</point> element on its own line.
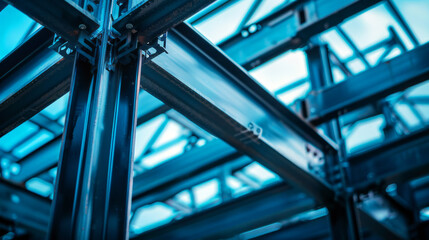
<point>398,160</point>
<point>232,106</point>
<point>251,211</point>
<point>25,209</point>
<point>31,77</point>
<point>37,42</point>
<point>357,91</point>
<point>390,225</point>
<point>32,87</point>
<point>63,17</point>
<point>289,28</point>
<point>152,18</point>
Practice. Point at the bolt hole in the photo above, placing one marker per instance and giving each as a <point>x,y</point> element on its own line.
<point>89,8</point>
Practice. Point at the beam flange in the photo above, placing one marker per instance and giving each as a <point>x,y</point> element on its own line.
<point>394,75</point>
<point>289,28</point>
<point>242,107</point>
<point>152,18</point>
<point>399,160</point>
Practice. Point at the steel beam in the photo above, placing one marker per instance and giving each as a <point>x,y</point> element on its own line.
<point>245,115</point>
<point>398,160</point>
<point>63,17</point>
<point>342,216</point>
<point>388,225</point>
<point>152,18</point>
<point>32,77</point>
<point>98,149</point>
<point>289,28</point>
<point>357,91</point>
<point>40,40</point>
<point>28,91</point>
<point>236,216</point>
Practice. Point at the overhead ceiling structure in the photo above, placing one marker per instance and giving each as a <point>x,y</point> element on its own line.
<point>203,119</point>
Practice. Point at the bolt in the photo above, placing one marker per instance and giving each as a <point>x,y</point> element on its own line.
<point>82,26</point>
<point>250,126</point>
<point>129,26</point>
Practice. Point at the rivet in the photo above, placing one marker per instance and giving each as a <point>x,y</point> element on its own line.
<point>129,26</point>
<point>82,26</point>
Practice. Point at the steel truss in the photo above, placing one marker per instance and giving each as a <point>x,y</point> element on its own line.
<point>107,60</point>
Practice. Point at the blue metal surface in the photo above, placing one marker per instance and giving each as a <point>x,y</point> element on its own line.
<point>230,119</point>
<point>210,89</point>
<point>399,73</point>
<point>236,216</point>
<point>152,18</point>
<point>285,30</point>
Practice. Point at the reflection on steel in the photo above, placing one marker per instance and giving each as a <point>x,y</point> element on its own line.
<point>102,69</point>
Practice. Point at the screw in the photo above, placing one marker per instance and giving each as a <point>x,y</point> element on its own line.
<point>82,26</point>
<point>250,126</point>
<point>129,26</point>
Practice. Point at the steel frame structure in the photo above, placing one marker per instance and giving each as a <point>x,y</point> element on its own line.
<point>106,57</point>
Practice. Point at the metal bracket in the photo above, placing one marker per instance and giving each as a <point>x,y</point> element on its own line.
<point>316,160</point>
<point>129,43</point>
<point>61,46</point>
<point>86,47</point>
<point>155,47</point>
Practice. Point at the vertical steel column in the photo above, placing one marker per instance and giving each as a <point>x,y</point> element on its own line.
<point>343,217</point>
<point>93,190</point>
<point>62,210</point>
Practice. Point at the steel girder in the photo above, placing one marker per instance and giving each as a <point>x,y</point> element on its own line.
<point>32,77</point>
<point>152,18</point>
<point>357,91</point>
<point>229,73</point>
<point>397,160</point>
<point>289,28</point>
<point>238,110</point>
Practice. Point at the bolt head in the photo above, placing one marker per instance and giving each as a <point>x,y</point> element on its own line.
<point>129,26</point>
<point>82,26</point>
